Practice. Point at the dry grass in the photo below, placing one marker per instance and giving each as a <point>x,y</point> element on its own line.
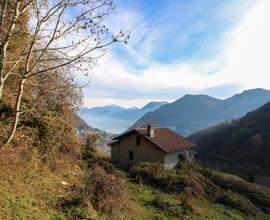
<point>29,191</point>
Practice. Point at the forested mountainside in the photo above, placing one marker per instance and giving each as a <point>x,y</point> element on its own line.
<point>246,140</point>
<point>192,113</point>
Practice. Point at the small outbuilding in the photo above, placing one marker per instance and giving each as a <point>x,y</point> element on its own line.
<point>153,145</point>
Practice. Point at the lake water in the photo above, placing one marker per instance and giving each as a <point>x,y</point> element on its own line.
<point>108,124</point>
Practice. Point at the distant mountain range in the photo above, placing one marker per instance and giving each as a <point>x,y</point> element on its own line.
<point>116,119</point>
<point>192,113</point>
<point>246,141</point>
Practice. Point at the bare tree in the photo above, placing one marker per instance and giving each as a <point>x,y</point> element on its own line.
<point>73,30</point>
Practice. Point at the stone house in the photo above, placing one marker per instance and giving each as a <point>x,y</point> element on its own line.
<point>154,145</point>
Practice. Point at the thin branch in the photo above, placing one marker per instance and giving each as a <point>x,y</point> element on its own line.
<point>3,14</point>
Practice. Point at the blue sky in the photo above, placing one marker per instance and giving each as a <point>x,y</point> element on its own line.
<point>183,46</point>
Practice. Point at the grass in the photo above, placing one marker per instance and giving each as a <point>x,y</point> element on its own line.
<point>145,209</point>
<point>28,192</point>
<point>197,193</point>
<point>34,195</point>
<point>28,197</point>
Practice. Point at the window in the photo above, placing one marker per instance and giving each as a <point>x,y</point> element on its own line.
<point>138,140</point>
<point>131,155</point>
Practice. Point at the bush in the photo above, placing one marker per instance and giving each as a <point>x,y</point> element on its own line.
<point>102,162</point>
<point>237,202</point>
<point>257,195</point>
<point>146,172</point>
<point>90,146</point>
<point>186,205</point>
<point>106,192</point>
<point>78,213</point>
<point>167,180</point>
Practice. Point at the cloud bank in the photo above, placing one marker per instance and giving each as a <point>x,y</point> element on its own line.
<point>237,59</point>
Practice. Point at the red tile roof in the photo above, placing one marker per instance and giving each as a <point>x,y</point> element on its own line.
<point>164,138</point>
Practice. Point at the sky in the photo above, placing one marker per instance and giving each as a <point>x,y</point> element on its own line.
<point>180,47</point>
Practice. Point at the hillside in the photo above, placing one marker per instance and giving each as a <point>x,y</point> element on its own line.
<point>116,119</point>
<point>246,140</point>
<point>192,113</point>
<point>194,192</point>
<point>52,163</point>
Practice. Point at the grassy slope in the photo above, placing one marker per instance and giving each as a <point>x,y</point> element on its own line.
<point>216,196</point>
<point>145,209</point>
<point>28,192</point>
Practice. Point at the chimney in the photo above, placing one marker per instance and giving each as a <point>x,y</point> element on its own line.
<point>150,131</point>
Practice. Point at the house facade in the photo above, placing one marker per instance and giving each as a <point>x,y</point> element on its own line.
<point>153,145</point>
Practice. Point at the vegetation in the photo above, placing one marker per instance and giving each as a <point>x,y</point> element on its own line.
<point>243,144</point>
<point>175,194</point>
<point>50,48</point>
<point>47,171</point>
<point>94,188</point>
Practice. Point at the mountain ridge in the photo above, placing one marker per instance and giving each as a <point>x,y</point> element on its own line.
<point>150,105</point>
<point>114,118</point>
<point>192,113</point>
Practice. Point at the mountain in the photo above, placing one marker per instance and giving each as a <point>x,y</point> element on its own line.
<point>81,125</point>
<point>107,110</point>
<point>192,113</point>
<point>116,119</point>
<point>245,142</point>
<point>83,129</point>
<point>151,106</point>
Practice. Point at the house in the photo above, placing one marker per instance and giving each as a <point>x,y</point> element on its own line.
<point>154,145</point>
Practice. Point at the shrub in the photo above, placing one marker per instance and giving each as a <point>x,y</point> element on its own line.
<point>106,192</point>
<point>90,146</point>
<point>146,172</point>
<point>78,213</point>
<point>167,180</point>
<point>257,195</point>
<point>102,162</point>
<point>237,202</point>
<point>186,205</point>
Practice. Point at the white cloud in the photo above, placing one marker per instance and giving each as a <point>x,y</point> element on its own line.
<point>247,58</point>
<point>245,62</point>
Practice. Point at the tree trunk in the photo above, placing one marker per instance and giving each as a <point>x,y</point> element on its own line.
<point>2,66</point>
<point>17,113</point>
<point>1,88</point>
